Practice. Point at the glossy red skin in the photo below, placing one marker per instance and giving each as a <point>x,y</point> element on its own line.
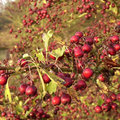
<point>3,79</point>
<point>68,81</point>
<point>113,96</point>
<point>78,52</point>
<point>65,99</point>
<point>114,38</point>
<point>116,47</point>
<point>81,85</point>
<point>22,88</point>
<point>31,90</point>
<point>79,34</point>
<point>89,40</point>
<point>74,39</point>
<point>2,72</point>
<point>101,78</point>
<point>118,96</point>
<point>96,39</point>
<point>87,73</point>
<point>98,109</point>
<point>114,106</point>
<point>108,100</point>
<point>86,48</point>
<point>106,107</point>
<point>46,78</point>
<point>56,100</point>
<point>111,51</point>
<point>52,57</point>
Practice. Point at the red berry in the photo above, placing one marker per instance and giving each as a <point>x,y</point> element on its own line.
<point>46,78</point>
<point>101,77</point>
<point>3,79</point>
<point>81,85</point>
<point>22,88</point>
<point>89,40</point>
<point>118,96</point>
<point>74,39</point>
<point>86,48</point>
<point>87,73</point>
<point>113,96</point>
<point>52,57</point>
<point>78,52</point>
<point>98,109</point>
<point>106,107</point>
<point>56,100</point>
<point>31,90</point>
<point>114,106</point>
<point>111,51</point>
<point>79,34</point>
<point>116,47</point>
<point>65,98</point>
<point>68,81</point>
<point>114,38</point>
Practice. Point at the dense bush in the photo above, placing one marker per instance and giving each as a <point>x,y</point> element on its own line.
<point>66,64</point>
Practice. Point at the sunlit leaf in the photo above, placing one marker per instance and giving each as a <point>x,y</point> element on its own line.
<point>28,112</point>
<point>40,56</point>
<point>7,93</point>
<point>51,87</point>
<point>46,37</point>
<point>100,101</point>
<point>58,52</point>
<point>102,86</point>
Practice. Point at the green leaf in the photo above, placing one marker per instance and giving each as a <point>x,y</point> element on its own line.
<point>44,104</point>
<point>58,52</point>
<point>102,86</point>
<point>2,118</point>
<point>46,38</point>
<point>64,114</point>
<point>100,101</point>
<point>19,108</point>
<point>7,93</point>
<point>17,69</point>
<point>28,112</point>
<point>40,56</point>
<point>51,87</point>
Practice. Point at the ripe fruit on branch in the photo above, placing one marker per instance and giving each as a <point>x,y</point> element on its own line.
<point>78,52</point>
<point>22,62</point>
<point>31,90</point>
<point>46,78</point>
<point>74,39</point>
<point>68,81</point>
<point>65,98</point>
<point>52,57</point>
<point>111,51</point>
<point>3,79</point>
<point>114,38</point>
<point>86,48</point>
<point>89,40</point>
<point>22,88</point>
<point>98,109</point>
<point>56,100</point>
<point>79,34</point>
<point>87,73</point>
<point>116,47</point>
<point>101,77</point>
<point>81,85</point>
<point>106,107</point>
